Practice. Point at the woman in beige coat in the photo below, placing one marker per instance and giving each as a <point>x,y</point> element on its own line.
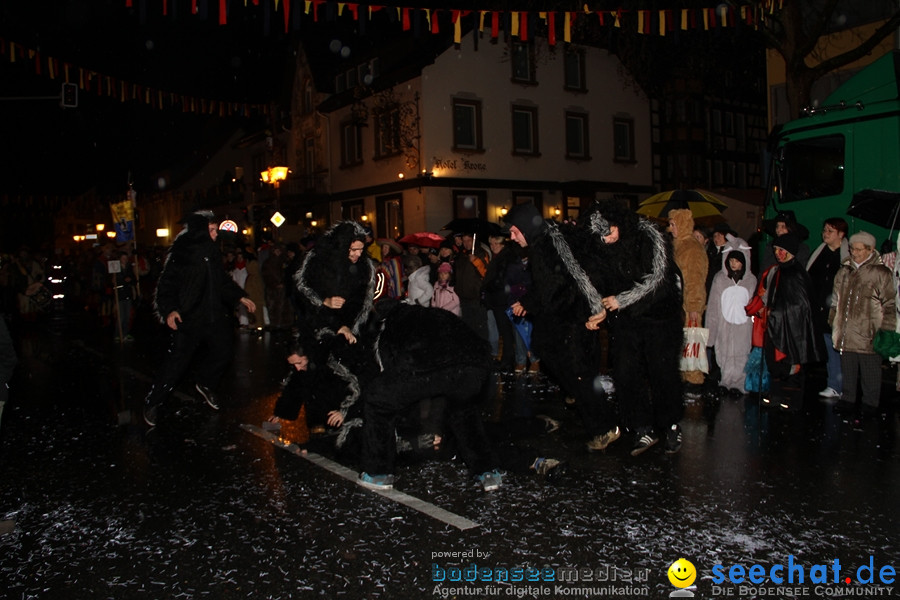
<point>863,302</point>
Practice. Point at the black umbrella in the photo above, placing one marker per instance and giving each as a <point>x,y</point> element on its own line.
<point>477,227</point>
<point>879,207</point>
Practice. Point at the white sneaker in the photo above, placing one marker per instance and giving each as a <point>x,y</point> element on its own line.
<point>829,393</point>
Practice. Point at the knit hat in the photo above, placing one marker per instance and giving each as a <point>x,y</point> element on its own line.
<point>526,218</point>
<point>863,237</point>
<point>445,267</point>
<point>789,242</point>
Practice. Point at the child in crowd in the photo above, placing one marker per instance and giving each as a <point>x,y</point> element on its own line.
<point>730,329</point>
<point>444,295</point>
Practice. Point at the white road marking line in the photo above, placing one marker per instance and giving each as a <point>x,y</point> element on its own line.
<point>349,474</point>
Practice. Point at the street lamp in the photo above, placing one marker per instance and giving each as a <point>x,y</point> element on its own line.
<point>275,175</point>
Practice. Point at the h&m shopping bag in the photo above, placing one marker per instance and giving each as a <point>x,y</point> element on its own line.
<point>693,354</point>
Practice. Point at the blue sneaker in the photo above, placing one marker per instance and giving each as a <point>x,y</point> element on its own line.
<point>376,482</point>
<point>490,480</point>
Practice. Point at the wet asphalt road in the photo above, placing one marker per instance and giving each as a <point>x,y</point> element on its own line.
<point>200,508</point>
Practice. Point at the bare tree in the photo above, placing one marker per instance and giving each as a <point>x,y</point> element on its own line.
<point>799,33</point>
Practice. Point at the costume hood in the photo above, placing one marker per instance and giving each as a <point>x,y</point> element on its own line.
<point>736,244</point>
<point>527,219</point>
<point>684,221</point>
<point>196,227</point>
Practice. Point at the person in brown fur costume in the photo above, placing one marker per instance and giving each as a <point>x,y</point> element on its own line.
<point>691,258</point>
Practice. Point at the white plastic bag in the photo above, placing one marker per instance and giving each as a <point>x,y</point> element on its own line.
<point>693,354</point>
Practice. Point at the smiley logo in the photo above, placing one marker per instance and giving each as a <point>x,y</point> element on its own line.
<point>682,573</point>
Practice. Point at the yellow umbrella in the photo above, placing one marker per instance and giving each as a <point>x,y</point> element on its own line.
<point>702,204</point>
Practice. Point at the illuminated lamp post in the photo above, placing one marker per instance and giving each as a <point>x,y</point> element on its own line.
<point>275,175</point>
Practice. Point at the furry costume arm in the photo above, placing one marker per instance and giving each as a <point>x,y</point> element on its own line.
<point>655,276</point>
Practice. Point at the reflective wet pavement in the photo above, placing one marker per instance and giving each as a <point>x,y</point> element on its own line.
<point>200,508</point>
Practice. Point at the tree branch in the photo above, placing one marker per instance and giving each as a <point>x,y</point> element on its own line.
<point>863,49</point>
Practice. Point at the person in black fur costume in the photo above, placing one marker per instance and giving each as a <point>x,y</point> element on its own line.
<point>426,353</point>
<point>560,301</point>
<point>196,299</point>
<point>631,262</point>
<point>336,285</point>
<point>411,354</point>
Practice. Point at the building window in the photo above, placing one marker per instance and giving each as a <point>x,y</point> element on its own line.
<point>387,132</point>
<point>351,144</point>
<point>466,124</point>
<point>574,70</point>
<point>623,139</point>
<point>340,83</point>
<point>535,198</point>
<point>523,63</point>
<point>353,210</point>
<point>525,130</point>
<point>469,204</point>
<point>389,215</point>
<point>577,136</point>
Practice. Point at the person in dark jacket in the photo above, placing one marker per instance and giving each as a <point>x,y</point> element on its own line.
<point>426,354</point>
<point>469,268</point>
<point>560,300</point>
<point>823,265</point>
<point>635,269</point>
<point>498,297</point>
<point>196,299</point>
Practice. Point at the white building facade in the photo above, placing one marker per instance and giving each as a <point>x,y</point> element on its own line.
<point>481,128</point>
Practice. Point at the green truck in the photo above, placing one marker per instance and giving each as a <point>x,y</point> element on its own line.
<point>842,159</point>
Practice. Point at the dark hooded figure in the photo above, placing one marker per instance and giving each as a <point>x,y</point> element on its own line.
<point>196,299</point>
<point>560,300</point>
<point>793,337</point>
<point>336,286</point>
<point>631,263</point>
<point>412,354</point>
<point>422,354</point>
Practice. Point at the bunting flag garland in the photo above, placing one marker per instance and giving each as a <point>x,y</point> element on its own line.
<point>642,20</point>
<point>515,23</point>
<point>102,84</point>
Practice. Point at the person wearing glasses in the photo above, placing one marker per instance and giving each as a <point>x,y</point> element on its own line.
<point>863,303</point>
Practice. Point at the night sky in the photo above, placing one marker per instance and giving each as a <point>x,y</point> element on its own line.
<point>49,149</point>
